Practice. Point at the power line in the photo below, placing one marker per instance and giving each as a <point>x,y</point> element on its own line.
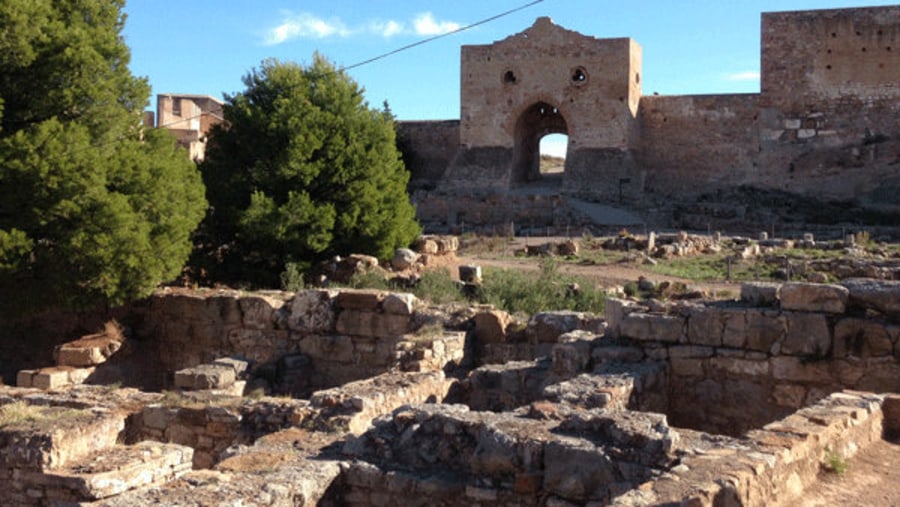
<point>403,48</point>
<point>439,36</point>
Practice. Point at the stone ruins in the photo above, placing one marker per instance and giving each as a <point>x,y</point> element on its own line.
<point>370,398</point>
<point>824,128</point>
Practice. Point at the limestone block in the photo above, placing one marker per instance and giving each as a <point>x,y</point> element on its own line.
<point>311,311</point>
<point>737,366</point>
<point>51,378</point>
<point>399,303</point>
<point>696,351</point>
<point>653,327</point>
<point>571,358</point>
<point>861,338</point>
<point>760,293</point>
<point>807,335</point>
<point>796,369</point>
<point>238,365</point>
<point>879,295</point>
<point>333,348</point>
<point>88,350</point>
<point>25,378</point>
<point>79,375</point>
<point>426,245</point>
<point>490,326</point>
<point>814,297</point>
<point>546,327</point>
<point>616,310</point>
<point>258,312</point>
<point>617,354</point>
<point>205,376</point>
<point>404,258</point>
<point>687,367</point>
<point>158,417</point>
<point>362,299</point>
<point>371,324</point>
<point>754,329</point>
<point>706,327</point>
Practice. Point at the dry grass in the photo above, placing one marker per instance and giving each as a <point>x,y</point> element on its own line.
<point>21,413</point>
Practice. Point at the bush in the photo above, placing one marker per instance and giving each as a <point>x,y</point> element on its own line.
<point>301,170</point>
<point>438,287</point>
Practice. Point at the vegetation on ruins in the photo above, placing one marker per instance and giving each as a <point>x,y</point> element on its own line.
<point>94,208</point>
<point>511,290</point>
<point>302,169</point>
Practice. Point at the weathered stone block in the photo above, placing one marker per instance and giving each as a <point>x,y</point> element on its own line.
<point>736,366</point>
<point>205,376</point>
<point>617,354</point>
<point>814,297</point>
<point>25,378</point>
<point>795,369</point>
<point>490,326</point>
<point>311,311</point>
<point>879,295</point>
<point>51,378</point>
<point>861,338</point>
<point>616,310</point>
<point>653,327</point>
<point>762,328</point>
<point>706,327</point>
<point>546,327</point>
<point>258,312</point>
<point>399,303</point>
<point>687,367</point>
<point>788,395</point>
<point>88,350</point>
<point>238,365</point>
<point>808,334</point>
<point>361,299</point>
<point>760,293</point>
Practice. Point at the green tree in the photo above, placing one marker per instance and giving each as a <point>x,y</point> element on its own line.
<point>94,208</point>
<point>302,169</point>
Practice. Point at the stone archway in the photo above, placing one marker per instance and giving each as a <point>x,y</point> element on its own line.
<point>537,121</point>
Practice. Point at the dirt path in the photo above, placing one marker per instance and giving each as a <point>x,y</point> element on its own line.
<point>872,479</point>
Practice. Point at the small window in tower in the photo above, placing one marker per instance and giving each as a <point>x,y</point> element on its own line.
<point>579,76</point>
<point>509,77</point>
<point>176,106</point>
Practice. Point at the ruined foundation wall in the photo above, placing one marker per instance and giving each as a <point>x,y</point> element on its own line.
<point>737,367</point>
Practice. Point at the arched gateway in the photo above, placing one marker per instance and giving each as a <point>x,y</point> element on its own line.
<point>542,81</point>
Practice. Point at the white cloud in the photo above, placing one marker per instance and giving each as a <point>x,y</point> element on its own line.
<point>750,75</point>
<point>309,26</point>
<point>306,26</point>
<point>425,24</point>
<point>387,28</point>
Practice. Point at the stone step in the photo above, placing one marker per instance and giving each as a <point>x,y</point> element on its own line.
<point>221,374</point>
<point>89,350</point>
<point>53,377</point>
<point>111,472</point>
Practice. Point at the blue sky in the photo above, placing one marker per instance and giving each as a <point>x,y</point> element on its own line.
<point>205,46</point>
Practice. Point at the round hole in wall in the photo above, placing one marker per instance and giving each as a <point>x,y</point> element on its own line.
<point>828,51</point>
<point>509,77</point>
<point>579,76</point>
<point>863,50</point>
<point>888,48</point>
<point>833,34</point>
<point>858,33</point>
<point>828,67</point>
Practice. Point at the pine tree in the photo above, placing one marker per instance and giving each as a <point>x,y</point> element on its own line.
<point>94,208</point>
<point>303,169</point>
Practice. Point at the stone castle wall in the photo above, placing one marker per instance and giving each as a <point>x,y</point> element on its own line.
<point>825,124</point>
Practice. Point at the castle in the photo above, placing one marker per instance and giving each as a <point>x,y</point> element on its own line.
<point>825,126</point>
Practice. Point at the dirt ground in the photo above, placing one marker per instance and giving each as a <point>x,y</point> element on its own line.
<point>606,275</point>
<point>872,479</point>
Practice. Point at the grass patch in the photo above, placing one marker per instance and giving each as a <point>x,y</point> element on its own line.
<point>20,413</point>
<point>835,463</point>
<point>438,287</point>
<point>518,291</point>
